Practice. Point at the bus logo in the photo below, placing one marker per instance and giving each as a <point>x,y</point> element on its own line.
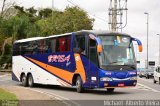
<point>58,58</point>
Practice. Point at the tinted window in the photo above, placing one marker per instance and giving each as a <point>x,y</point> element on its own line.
<point>51,45</point>
<point>79,43</point>
<point>16,49</point>
<point>63,44</point>
<point>42,46</point>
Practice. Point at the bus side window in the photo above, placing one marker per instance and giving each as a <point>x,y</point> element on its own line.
<point>42,47</point>
<point>79,44</point>
<point>51,45</point>
<point>24,48</point>
<point>16,49</point>
<point>63,43</point>
<point>68,43</point>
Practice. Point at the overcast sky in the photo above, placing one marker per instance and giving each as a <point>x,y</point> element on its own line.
<point>136,26</point>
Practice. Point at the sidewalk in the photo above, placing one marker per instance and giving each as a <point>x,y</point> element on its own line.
<point>5,70</point>
<point>28,97</point>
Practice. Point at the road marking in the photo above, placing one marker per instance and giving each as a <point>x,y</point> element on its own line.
<point>149,88</point>
<point>55,96</point>
<point>146,80</point>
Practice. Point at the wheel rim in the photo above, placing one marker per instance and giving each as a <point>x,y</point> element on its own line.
<point>78,84</point>
<point>23,79</point>
<point>30,81</point>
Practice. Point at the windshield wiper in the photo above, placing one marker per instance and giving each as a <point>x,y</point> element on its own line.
<point>131,66</point>
<point>115,62</point>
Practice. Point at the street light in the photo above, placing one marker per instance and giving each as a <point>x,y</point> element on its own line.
<point>147,36</point>
<point>159,48</point>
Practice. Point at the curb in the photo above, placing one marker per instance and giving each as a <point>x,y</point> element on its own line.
<point>9,71</point>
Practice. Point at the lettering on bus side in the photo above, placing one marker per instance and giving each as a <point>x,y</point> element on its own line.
<point>58,58</point>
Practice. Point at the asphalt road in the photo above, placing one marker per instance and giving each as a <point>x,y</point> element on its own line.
<point>145,90</point>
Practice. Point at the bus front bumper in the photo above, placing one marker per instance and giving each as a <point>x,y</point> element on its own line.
<point>119,83</point>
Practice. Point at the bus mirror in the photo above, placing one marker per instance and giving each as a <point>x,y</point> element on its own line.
<point>140,48</point>
<point>99,48</point>
<point>139,44</point>
<point>99,42</point>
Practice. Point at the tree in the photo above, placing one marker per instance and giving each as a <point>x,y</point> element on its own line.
<point>72,19</point>
<point>76,19</point>
<point>6,8</point>
<point>26,23</point>
<point>4,1</point>
<point>44,13</point>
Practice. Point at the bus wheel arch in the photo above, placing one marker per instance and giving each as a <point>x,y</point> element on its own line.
<point>23,79</point>
<point>74,79</point>
<point>78,80</point>
<point>30,80</point>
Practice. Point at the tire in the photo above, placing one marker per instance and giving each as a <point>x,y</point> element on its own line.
<point>140,76</point>
<point>147,77</point>
<point>79,87</point>
<point>24,80</point>
<point>110,90</point>
<point>154,81</point>
<point>30,80</point>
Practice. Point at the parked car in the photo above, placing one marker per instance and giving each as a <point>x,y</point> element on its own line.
<point>157,75</point>
<point>149,73</point>
<point>138,71</point>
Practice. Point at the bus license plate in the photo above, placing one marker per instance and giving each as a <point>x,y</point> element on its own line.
<point>120,85</point>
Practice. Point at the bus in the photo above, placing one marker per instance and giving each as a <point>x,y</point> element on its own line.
<point>84,59</point>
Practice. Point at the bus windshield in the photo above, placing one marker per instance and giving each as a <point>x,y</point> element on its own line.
<point>117,50</point>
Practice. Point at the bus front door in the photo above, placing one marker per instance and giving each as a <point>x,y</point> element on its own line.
<point>93,63</point>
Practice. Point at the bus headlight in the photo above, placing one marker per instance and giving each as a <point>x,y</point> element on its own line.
<point>105,79</point>
<point>133,78</point>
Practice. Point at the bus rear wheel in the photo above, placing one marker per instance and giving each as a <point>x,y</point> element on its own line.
<point>30,81</point>
<point>110,90</point>
<point>80,89</point>
<point>24,80</point>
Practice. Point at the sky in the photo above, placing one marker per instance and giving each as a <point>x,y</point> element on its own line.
<point>136,21</point>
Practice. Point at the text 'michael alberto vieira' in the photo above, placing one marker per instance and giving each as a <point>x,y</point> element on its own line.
<point>132,102</point>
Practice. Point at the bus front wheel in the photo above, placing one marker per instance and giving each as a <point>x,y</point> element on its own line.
<point>80,89</point>
<point>30,81</point>
<point>110,90</point>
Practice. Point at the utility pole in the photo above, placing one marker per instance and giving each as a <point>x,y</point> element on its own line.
<point>147,36</point>
<point>159,50</point>
<point>116,13</point>
<point>114,16</point>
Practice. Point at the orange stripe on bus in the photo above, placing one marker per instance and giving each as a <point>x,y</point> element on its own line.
<point>65,75</point>
<point>79,67</point>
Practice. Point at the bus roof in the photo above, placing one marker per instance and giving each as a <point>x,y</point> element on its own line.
<point>29,39</point>
<point>95,32</point>
<point>102,32</point>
